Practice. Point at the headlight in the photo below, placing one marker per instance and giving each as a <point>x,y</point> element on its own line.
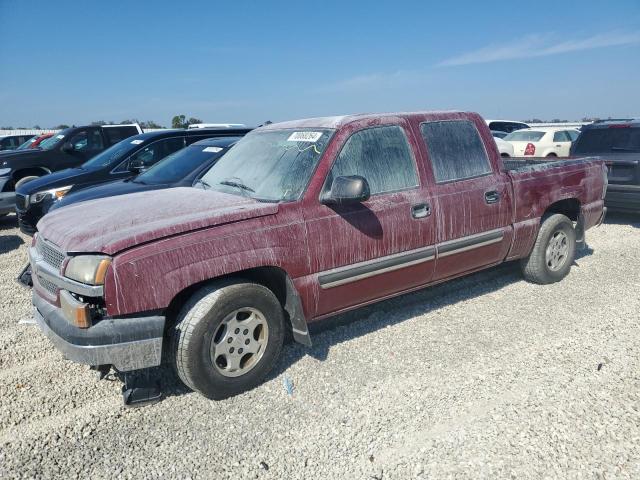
<point>4,171</point>
<point>89,269</point>
<point>55,193</point>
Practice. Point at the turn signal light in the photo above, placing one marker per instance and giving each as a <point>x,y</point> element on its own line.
<point>530,150</point>
<point>76,313</point>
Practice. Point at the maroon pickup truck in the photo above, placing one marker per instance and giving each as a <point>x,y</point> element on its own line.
<point>299,221</point>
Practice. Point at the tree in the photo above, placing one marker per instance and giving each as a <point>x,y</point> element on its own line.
<point>37,127</point>
<point>150,124</point>
<point>6,128</point>
<point>62,126</point>
<point>179,121</point>
<point>99,122</point>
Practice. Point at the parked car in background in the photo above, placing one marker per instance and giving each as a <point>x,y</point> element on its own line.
<point>11,142</point>
<point>68,148</point>
<point>507,126</point>
<point>123,160</point>
<point>505,148</point>
<point>34,142</point>
<point>298,221</point>
<point>498,134</point>
<point>542,142</point>
<point>618,143</point>
<point>179,169</point>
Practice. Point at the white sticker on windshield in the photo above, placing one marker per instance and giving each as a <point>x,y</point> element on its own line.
<point>136,142</point>
<point>59,137</point>
<point>304,137</point>
<point>212,149</point>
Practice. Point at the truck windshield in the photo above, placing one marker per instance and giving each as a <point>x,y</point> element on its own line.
<point>269,165</point>
<point>179,164</point>
<point>608,140</point>
<point>51,142</point>
<point>113,154</point>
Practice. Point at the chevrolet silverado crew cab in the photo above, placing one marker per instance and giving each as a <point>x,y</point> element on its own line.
<point>67,148</point>
<point>297,222</point>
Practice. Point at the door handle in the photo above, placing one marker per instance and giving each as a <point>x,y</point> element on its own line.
<point>421,210</point>
<point>492,197</point>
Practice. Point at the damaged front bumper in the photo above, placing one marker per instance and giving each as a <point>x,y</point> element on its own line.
<point>126,343</point>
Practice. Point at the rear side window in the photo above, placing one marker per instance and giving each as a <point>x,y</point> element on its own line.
<point>562,136</point>
<point>608,140</point>
<point>381,155</point>
<point>115,134</point>
<point>573,134</point>
<point>455,149</point>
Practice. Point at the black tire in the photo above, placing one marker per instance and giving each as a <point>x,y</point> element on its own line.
<point>198,325</point>
<point>24,180</point>
<point>537,267</point>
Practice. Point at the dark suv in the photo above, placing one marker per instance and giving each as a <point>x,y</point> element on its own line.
<point>617,141</point>
<point>123,160</point>
<point>68,148</point>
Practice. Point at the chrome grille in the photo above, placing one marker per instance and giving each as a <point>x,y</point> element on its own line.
<point>49,253</point>
<point>48,286</point>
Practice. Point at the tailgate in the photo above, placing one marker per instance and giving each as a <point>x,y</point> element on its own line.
<point>623,169</point>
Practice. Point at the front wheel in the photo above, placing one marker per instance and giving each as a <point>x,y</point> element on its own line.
<point>227,338</point>
<point>553,253</point>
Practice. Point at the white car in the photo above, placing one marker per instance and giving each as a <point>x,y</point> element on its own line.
<point>505,148</point>
<point>542,142</point>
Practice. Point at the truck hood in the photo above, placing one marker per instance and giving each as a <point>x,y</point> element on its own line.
<point>110,225</point>
<point>14,157</point>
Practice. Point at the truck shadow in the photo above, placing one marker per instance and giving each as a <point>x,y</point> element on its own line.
<point>9,243</point>
<point>367,320</point>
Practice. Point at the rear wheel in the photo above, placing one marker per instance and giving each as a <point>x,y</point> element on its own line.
<point>553,253</point>
<point>227,338</point>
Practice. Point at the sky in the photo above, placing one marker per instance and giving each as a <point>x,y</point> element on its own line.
<point>248,62</point>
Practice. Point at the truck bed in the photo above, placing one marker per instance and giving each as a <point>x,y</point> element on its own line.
<point>533,164</point>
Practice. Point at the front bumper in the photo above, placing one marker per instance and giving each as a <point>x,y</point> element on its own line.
<point>126,343</point>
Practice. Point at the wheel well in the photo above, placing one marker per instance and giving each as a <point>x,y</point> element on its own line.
<point>274,278</point>
<point>569,207</point>
<point>505,155</point>
<point>25,172</point>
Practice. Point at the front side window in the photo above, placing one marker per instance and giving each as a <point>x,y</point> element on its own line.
<point>152,153</point>
<point>381,155</point>
<point>269,165</point>
<point>455,149</point>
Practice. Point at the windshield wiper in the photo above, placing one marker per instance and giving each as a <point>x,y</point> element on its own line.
<point>239,185</point>
<point>203,183</point>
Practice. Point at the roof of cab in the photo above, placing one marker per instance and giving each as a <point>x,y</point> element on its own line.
<point>217,141</point>
<point>342,120</point>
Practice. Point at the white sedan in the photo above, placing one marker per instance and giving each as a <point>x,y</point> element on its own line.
<point>505,148</point>
<point>542,142</point>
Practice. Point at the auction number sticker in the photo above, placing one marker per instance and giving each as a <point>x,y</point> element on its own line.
<point>304,137</point>
<point>59,137</point>
<point>136,142</point>
<point>212,149</point>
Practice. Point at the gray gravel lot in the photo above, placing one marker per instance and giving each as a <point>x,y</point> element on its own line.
<point>483,377</point>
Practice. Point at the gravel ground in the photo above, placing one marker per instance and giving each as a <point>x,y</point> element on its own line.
<point>484,377</point>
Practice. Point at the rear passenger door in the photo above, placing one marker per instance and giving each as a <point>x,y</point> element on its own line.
<point>561,143</point>
<point>384,245</point>
<point>472,199</point>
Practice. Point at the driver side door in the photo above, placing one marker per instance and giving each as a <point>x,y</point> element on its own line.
<point>365,251</point>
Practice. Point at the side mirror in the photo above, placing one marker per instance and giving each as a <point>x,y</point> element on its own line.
<point>137,165</point>
<point>347,190</point>
<point>67,147</point>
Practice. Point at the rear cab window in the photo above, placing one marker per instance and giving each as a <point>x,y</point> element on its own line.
<point>381,155</point>
<point>455,149</point>
<point>610,139</point>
